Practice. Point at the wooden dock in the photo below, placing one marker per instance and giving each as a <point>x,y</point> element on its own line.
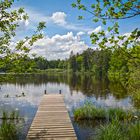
<point>52,121</point>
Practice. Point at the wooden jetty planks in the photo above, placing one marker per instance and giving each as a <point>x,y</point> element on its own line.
<point>52,121</point>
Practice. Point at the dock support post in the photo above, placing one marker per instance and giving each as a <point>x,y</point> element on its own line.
<point>60,92</point>
<point>45,91</point>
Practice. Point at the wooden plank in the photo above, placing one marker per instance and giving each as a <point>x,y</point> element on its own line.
<point>52,121</point>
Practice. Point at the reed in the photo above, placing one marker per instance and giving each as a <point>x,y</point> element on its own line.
<point>117,130</point>
<point>8,128</point>
<point>90,112</point>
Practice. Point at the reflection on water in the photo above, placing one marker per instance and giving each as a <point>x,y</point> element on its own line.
<point>76,89</point>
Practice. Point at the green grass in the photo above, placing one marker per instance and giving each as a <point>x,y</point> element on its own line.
<point>117,113</point>
<point>120,124</point>
<point>8,127</point>
<point>14,115</point>
<point>116,130</point>
<point>136,97</point>
<point>90,112</point>
<point>134,131</point>
<point>111,131</point>
<point>8,130</point>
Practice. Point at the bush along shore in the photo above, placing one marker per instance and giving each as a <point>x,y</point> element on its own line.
<point>120,124</point>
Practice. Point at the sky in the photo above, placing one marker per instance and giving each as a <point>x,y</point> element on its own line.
<point>64,32</point>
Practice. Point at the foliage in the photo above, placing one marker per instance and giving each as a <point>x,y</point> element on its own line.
<point>95,61</point>
<point>9,23</point>
<point>125,58</point>
<point>126,69</point>
<point>73,63</point>
<point>110,11</point>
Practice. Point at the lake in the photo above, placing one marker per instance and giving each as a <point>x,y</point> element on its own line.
<point>77,90</point>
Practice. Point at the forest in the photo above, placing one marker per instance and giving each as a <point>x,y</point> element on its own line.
<point>122,65</point>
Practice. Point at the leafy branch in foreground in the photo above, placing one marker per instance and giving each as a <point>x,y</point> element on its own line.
<point>111,10</point>
<point>9,23</point>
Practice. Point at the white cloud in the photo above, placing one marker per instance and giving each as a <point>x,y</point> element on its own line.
<point>59,46</point>
<point>96,30</point>
<point>80,33</point>
<point>59,18</point>
<point>76,27</point>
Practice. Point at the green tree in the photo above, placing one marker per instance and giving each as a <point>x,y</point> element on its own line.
<point>73,63</point>
<point>118,65</point>
<point>79,60</point>
<point>41,63</point>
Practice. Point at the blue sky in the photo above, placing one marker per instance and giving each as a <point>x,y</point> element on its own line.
<point>64,31</point>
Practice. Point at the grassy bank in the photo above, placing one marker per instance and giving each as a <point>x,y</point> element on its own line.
<point>90,112</point>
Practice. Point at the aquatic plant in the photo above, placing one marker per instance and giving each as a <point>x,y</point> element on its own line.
<point>8,128</point>
<point>89,111</point>
<point>14,115</point>
<point>118,113</point>
<point>111,131</point>
<point>117,130</point>
<point>134,131</point>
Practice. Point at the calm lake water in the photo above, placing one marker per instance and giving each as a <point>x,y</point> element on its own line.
<point>76,89</point>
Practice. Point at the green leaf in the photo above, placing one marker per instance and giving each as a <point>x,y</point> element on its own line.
<point>21,10</point>
<point>109,29</point>
<point>104,22</point>
<point>78,1</point>
<point>41,26</point>
<point>93,6</point>
<point>73,5</point>
<point>95,20</point>
<point>80,17</point>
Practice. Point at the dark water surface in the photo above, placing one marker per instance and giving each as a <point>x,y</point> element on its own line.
<point>76,89</point>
